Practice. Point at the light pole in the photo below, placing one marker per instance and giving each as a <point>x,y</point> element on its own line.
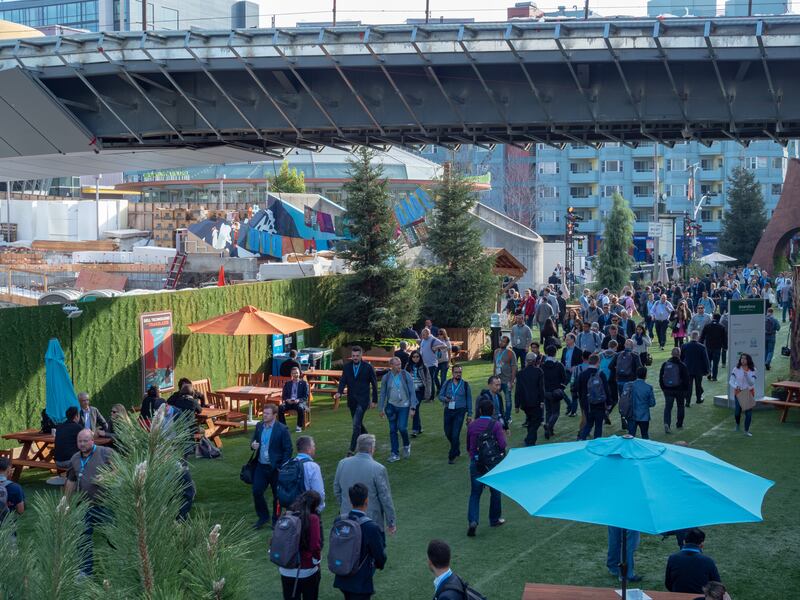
<point>72,312</point>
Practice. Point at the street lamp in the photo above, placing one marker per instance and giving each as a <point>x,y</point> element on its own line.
<point>72,312</point>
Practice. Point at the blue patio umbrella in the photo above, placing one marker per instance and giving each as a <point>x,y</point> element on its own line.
<point>59,393</point>
<point>629,483</point>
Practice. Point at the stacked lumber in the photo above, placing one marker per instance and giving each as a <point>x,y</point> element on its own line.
<point>69,247</point>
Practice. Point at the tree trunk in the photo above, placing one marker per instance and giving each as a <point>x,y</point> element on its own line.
<point>794,341</point>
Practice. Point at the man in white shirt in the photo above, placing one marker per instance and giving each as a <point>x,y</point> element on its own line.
<point>428,346</point>
<point>312,474</point>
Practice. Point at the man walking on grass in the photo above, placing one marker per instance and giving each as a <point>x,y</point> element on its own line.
<point>359,378</point>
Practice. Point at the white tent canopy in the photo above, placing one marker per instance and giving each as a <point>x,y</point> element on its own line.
<point>716,257</point>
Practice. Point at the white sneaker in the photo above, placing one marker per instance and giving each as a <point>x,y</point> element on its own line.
<point>407,451</point>
<point>298,429</point>
<point>748,434</point>
<point>393,458</point>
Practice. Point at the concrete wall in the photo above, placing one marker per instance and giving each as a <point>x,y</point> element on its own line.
<point>208,264</point>
<point>64,220</point>
<point>500,231</point>
<point>553,255</point>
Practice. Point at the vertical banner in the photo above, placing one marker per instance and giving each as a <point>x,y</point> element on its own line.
<point>747,334</point>
<point>158,357</point>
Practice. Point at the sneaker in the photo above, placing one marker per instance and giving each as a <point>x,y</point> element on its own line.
<point>451,461</point>
<point>748,434</point>
<point>679,427</point>
<point>700,401</point>
<point>498,523</point>
<point>767,367</point>
<point>407,451</point>
<point>736,428</point>
<point>667,428</point>
<point>414,434</point>
<point>471,529</point>
<point>510,420</point>
<point>298,429</point>
<point>393,458</point>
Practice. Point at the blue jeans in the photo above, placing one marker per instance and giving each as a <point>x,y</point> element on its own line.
<point>96,515</point>
<point>661,330</point>
<point>506,392</point>
<point>748,416</point>
<point>264,477</point>
<point>442,370</point>
<point>572,402</point>
<point>769,349</point>
<point>453,422</point>
<point>416,422</point>
<point>649,323</point>
<point>595,415</point>
<point>785,306</point>
<point>474,510</point>
<point>713,357</point>
<point>398,421</point>
<point>520,354</point>
<point>433,371</point>
<point>614,556</point>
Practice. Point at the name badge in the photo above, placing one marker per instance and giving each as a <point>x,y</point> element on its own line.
<point>451,405</point>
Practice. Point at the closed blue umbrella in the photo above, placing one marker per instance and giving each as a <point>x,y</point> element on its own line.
<point>59,393</point>
<point>629,483</point>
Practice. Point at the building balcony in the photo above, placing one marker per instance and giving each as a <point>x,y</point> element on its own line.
<point>590,202</point>
<point>710,175</point>
<point>591,226</point>
<point>646,149</point>
<point>643,201</point>
<point>640,227</point>
<point>711,227</point>
<point>643,175</point>
<point>585,177</point>
<point>715,148</point>
<point>582,152</point>
<point>551,228</point>
<point>715,200</point>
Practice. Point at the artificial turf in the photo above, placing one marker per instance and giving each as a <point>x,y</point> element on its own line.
<point>755,560</point>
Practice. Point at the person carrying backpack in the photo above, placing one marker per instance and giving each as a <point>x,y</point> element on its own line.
<point>556,378</point>
<point>296,547</point>
<point>595,397</point>
<point>635,401</point>
<point>486,446</point>
<point>356,548</point>
<point>12,498</point>
<point>447,585</point>
<point>674,381</point>
<point>300,473</point>
<point>623,370</point>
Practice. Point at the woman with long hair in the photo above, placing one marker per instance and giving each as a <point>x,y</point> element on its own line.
<point>550,334</point>
<point>571,322</point>
<point>743,387</point>
<point>680,323</point>
<point>423,385</point>
<point>641,345</point>
<point>443,360</point>
<point>303,584</point>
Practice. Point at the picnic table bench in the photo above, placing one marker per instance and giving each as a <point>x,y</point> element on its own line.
<point>324,381</point>
<point>38,451</point>
<point>792,397</point>
<point>256,395</point>
<point>542,591</point>
<point>215,424</point>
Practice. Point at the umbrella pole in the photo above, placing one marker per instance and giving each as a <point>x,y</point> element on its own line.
<point>250,404</point>
<point>623,566</point>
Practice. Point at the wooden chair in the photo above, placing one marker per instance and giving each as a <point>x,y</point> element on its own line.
<point>237,419</point>
<point>277,381</point>
<point>255,379</point>
<point>203,386</point>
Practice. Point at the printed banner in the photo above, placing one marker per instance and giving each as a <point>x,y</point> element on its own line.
<point>747,334</point>
<point>158,357</point>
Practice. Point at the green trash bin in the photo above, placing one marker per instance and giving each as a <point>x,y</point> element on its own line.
<point>320,358</point>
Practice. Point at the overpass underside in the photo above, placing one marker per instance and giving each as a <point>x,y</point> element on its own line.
<point>520,83</point>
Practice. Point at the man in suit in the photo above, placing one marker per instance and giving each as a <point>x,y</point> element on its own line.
<point>571,357</point>
<point>695,357</point>
<point>362,392</point>
<point>90,416</point>
<point>626,325</point>
<point>689,569</point>
<point>529,396</point>
<point>274,446</point>
<point>362,468</point>
<point>295,397</point>
<point>359,586</point>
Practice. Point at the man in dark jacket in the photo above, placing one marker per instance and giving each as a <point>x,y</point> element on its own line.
<point>359,586</point>
<point>362,392</point>
<point>273,444</point>
<point>571,357</point>
<point>289,364</point>
<point>594,403</point>
<point>492,394</point>
<point>623,369</point>
<point>613,334</point>
<point>529,396</point>
<point>295,397</point>
<point>447,585</point>
<point>66,441</point>
<point>715,339</point>
<point>674,381</point>
<point>556,379</point>
<point>689,569</point>
<point>695,357</point>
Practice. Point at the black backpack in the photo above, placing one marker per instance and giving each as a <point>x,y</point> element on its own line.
<point>489,452</point>
<point>626,401</point>
<point>625,362</point>
<point>455,583</point>
<point>672,374</point>
<point>284,548</point>
<point>291,481</point>
<point>596,390</point>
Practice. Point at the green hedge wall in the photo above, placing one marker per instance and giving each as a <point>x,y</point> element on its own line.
<point>108,349</point>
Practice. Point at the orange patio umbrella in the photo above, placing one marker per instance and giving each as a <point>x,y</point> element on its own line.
<point>249,321</point>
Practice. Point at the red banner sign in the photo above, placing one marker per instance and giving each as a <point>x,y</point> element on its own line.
<point>158,357</point>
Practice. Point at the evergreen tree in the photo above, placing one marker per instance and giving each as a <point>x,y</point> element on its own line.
<point>378,299</point>
<point>288,182</point>
<point>460,290</point>
<point>745,220</point>
<point>614,259</point>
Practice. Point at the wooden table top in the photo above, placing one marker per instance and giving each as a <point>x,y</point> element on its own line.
<point>212,413</point>
<point>787,384</point>
<point>46,438</point>
<point>543,591</point>
<point>323,373</point>
<point>253,390</point>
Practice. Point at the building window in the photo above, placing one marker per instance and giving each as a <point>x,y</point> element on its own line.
<point>610,190</point>
<point>643,165</point>
<point>755,162</point>
<point>578,146</point>
<point>611,145</point>
<point>676,164</point>
<point>778,162</point>
<point>777,189</point>
<point>579,191</point>
<point>677,190</point>
<point>548,168</point>
<point>556,216</point>
<point>709,189</point>
<point>643,191</point>
<point>612,166</point>
<point>645,144</point>
<point>583,166</point>
<point>709,164</point>
<point>548,191</point>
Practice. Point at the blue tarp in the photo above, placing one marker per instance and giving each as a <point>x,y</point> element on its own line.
<point>59,392</point>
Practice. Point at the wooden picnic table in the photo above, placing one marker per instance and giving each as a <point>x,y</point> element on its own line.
<point>792,397</point>
<point>543,591</point>
<point>215,424</point>
<point>38,451</point>
<point>324,381</point>
<point>255,395</point>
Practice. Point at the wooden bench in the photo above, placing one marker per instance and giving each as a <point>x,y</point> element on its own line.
<point>235,419</point>
<point>38,464</point>
<point>781,404</point>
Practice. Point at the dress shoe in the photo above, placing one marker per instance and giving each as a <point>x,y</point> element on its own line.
<point>471,529</point>
<point>498,523</point>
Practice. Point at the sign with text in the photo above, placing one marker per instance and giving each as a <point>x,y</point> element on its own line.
<point>158,356</point>
<point>654,230</point>
<point>747,335</point>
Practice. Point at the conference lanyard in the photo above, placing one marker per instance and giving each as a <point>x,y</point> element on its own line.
<point>396,380</point>
<point>356,370</point>
<point>454,388</point>
<point>85,461</point>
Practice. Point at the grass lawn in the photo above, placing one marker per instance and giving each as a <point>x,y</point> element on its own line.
<point>758,560</point>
